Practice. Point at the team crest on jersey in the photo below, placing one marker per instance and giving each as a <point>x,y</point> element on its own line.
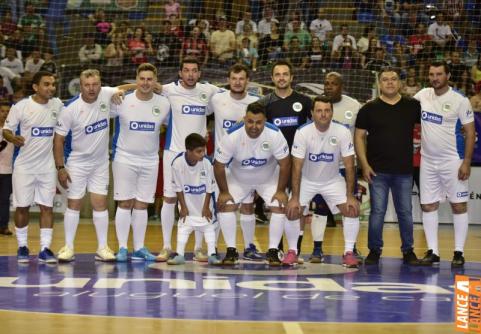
<point>155,111</point>
<point>348,114</point>
<point>265,146</point>
<point>446,107</point>
<point>103,107</point>
<point>297,106</point>
<point>203,97</point>
<point>203,173</point>
<point>53,114</point>
<point>333,140</point>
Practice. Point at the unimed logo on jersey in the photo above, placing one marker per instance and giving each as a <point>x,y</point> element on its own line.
<point>462,194</point>
<point>193,110</point>
<point>430,117</point>
<point>227,124</point>
<point>285,121</point>
<point>254,162</point>
<point>141,126</point>
<point>42,131</point>
<point>97,126</point>
<point>325,157</point>
<point>194,190</point>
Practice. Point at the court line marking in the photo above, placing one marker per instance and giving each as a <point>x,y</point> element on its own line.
<point>292,328</point>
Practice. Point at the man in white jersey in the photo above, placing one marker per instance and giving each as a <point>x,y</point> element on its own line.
<point>193,180</point>
<point>136,160</point>
<point>258,156</point>
<point>229,108</point>
<point>30,127</point>
<point>84,127</point>
<point>316,153</point>
<point>189,100</point>
<point>344,112</point>
<point>446,159</point>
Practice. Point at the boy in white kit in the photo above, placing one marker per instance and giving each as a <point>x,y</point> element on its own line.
<point>84,128</point>
<point>446,160</point>
<point>317,150</point>
<point>193,181</point>
<point>34,175</point>
<point>136,160</point>
<point>258,155</point>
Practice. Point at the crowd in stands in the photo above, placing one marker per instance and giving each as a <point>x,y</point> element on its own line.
<point>406,34</point>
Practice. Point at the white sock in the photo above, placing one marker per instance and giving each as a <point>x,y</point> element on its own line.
<point>318,227</point>
<point>351,230</point>
<point>123,219</point>
<point>45,237</point>
<point>101,223</point>
<point>292,229</point>
<point>430,225</point>
<point>71,220</point>
<point>198,238</point>
<point>210,240</point>
<point>227,223</point>
<point>182,238</point>
<point>139,227</point>
<point>461,223</point>
<point>248,226</point>
<point>22,235</point>
<point>167,217</point>
<point>276,228</point>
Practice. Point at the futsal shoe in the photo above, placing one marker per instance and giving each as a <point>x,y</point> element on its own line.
<point>46,256</point>
<point>290,259</point>
<point>410,258</point>
<point>164,255</point>
<point>317,256</point>
<point>251,253</point>
<point>429,259</point>
<point>372,258</point>
<point>458,260</point>
<point>23,254</point>
<point>105,254</point>
<point>272,257</point>
<point>349,260</point>
<point>176,259</point>
<point>214,260</point>
<point>65,254</point>
<point>143,254</point>
<point>231,257</point>
<point>199,256</point>
<point>358,255</point>
<point>122,255</point>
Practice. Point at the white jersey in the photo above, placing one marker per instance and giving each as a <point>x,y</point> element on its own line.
<point>252,161</point>
<point>89,127</point>
<point>322,151</point>
<point>228,111</point>
<point>137,129</point>
<point>345,113</point>
<point>189,112</point>
<point>442,118</point>
<point>36,123</point>
<point>194,181</point>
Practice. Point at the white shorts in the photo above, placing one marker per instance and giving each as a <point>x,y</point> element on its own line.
<point>134,182</point>
<point>247,200</point>
<point>334,192</point>
<point>439,180</point>
<point>167,159</point>
<point>94,178</point>
<point>33,188</point>
<point>193,223</point>
<point>244,193</point>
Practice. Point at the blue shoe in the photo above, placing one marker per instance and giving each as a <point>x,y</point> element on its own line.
<point>176,259</point>
<point>214,260</point>
<point>251,253</point>
<point>122,255</point>
<point>317,256</point>
<point>23,254</point>
<point>143,254</point>
<point>46,256</point>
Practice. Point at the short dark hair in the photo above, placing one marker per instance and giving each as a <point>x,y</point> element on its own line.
<point>237,68</point>
<point>189,60</point>
<point>37,77</point>
<point>194,140</point>
<point>147,67</point>
<point>385,69</point>
<point>282,62</point>
<point>322,98</point>
<point>439,63</point>
<point>256,108</point>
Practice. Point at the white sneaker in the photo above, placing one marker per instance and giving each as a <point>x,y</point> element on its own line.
<point>199,256</point>
<point>105,255</point>
<point>164,255</point>
<point>65,254</point>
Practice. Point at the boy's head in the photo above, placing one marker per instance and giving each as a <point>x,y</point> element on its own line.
<point>195,145</point>
<point>4,109</point>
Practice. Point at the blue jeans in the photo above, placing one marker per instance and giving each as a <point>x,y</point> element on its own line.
<point>401,188</point>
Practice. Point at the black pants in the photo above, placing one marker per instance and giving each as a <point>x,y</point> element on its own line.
<point>5,191</point>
